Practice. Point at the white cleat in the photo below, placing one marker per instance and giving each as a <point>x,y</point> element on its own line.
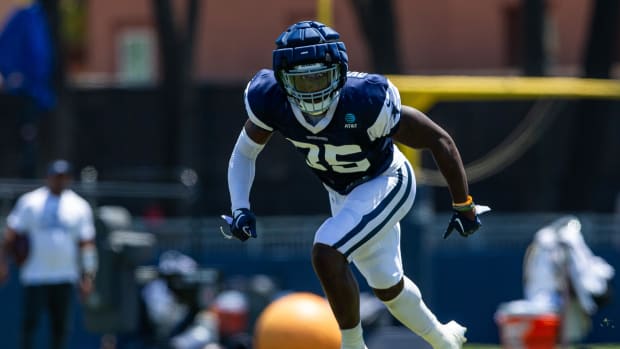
<point>455,334</point>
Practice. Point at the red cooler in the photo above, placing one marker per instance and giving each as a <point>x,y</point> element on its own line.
<point>523,329</point>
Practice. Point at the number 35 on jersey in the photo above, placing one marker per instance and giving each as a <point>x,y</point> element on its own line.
<point>331,156</point>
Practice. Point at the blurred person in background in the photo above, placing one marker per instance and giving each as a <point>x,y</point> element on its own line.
<point>171,302</point>
<point>27,71</point>
<point>50,234</point>
<point>345,124</point>
<point>561,273</point>
<point>176,313</point>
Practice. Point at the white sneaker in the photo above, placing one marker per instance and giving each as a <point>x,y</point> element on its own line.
<point>455,334</point>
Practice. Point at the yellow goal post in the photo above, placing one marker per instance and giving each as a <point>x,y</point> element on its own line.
<point>423,92</point>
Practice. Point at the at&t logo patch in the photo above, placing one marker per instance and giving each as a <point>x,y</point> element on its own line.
<point>349,120</point>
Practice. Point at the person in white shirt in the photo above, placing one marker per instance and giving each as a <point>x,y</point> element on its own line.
<point>51,236</point>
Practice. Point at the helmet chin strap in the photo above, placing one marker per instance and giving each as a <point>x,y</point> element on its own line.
<point>317,111</point>
<point>313,119</point>
<point>309,108</point>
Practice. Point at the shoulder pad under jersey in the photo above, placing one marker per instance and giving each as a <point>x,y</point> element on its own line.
<point>263,97</point>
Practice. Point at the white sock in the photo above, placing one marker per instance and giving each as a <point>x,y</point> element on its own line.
<point>353,338</point>
<point>409,308</point>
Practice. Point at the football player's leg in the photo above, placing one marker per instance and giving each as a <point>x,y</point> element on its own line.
<point>356,224</point>
<point>382,268</point>
<point>409,308</point>
<point>342,292</point>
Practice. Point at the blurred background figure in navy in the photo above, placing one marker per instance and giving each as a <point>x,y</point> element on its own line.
<point>27,70</point>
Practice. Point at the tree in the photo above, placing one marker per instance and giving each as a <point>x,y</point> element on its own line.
<point>176,48</point>
<point>62,119</point>
<point>600,48</point>
<point>594,162</point>
<point>535,57</point>
<point>378,23</point>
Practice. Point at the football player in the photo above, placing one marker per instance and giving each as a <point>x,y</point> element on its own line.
<point>345,124</point>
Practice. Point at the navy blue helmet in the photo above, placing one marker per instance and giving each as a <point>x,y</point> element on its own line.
<point>310,64</point>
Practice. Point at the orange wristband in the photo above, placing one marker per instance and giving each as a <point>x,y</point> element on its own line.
<point>464,206</point>
<point>465,203</point>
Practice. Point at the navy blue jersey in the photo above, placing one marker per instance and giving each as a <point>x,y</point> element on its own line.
<point>350,144</point>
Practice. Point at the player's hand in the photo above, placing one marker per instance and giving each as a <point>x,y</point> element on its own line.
<point>466,222</point>
<point>242,224</point>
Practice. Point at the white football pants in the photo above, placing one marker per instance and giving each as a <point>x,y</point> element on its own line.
<point>364,224</point>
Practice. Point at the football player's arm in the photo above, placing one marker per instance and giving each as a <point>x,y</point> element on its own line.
<point>242,164</point>
<point>241,169</point>
<point>418,131</point>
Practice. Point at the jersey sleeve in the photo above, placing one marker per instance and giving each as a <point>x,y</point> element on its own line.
<point>387,121</point>
<point>20,217</point>
<point>256,99</point>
